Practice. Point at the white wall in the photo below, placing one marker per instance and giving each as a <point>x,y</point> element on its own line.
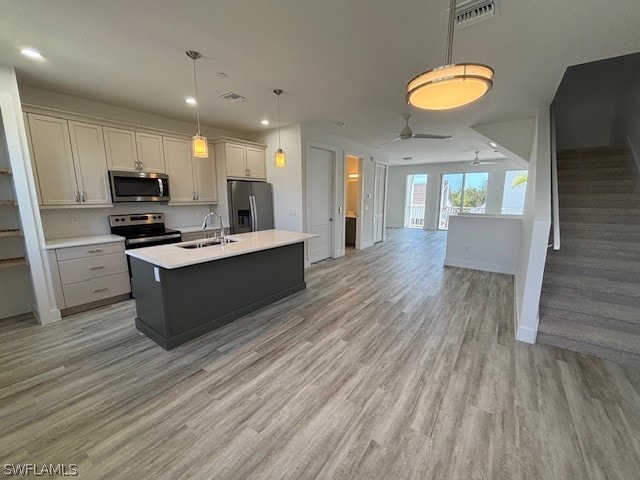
<point>536,225</point>
<point>626,127</point>
<point>15,139</point>
<point>484,242</point>
<point>61,223</point>
<point>397,186</point>
<point>287,181</point>
<point>513,138</point>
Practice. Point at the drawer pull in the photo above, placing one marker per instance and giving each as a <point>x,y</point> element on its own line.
<point>97,267</point>
<point>98,290</point>
<point>95,250</point>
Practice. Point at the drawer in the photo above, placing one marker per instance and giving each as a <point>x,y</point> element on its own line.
<point>81,269</point>
<point>96,289</point>
<point>89,250</point>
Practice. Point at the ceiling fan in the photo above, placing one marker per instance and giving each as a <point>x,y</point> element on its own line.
<point>406,133</point>
<point>476,161</point>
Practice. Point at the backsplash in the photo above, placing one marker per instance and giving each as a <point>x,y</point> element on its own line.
<point>79,222</point>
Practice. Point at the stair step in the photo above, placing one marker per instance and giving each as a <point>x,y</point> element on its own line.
<point>602,233</point>
<point>596,166</point>
<point>551,315</point>
<point>575,250</point>
<point>605,274</point>
<point>607,301</point>
<point>603,151</point>
<point>611,227</point>
<point>577,302</point>
<point>579,187</point>
<point>593,284</point>
<point>610,174</point>
<point>617,265</point>
<point>599,200</point>
<point>621,211</point>
<point>610,345</point>
<point>598,218</point>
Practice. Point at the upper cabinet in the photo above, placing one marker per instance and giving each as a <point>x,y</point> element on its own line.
<point>150,152</point>
<point>242,160</point>
<point>69,160</point>
<point>131,151</point>
<point>191,180</point>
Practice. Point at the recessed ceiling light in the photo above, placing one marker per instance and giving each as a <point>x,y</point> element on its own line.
<point>31,53</point>
<point>264,122</point>
<point>494,144</point>
<point>222,74</point>
<point>190,100</point>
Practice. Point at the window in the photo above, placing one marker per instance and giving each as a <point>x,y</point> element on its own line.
<point>415,201</point>
<point>515,187</point>
<point>462,193</point>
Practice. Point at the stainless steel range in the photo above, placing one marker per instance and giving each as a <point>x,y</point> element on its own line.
<point>142,230</point>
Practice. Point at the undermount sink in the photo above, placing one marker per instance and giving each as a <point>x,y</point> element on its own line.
<point>212,242</point>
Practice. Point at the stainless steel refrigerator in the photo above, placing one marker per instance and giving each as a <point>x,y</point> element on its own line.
<point>250,206</point>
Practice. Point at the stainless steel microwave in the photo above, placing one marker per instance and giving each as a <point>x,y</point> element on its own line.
<point>139,186</point>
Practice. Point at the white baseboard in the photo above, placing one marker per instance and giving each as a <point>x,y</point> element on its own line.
<point>523,334</point>
<point>366,244</point>
<point>475,265</point>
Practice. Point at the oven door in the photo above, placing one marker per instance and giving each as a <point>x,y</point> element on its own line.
<point>139,187</point>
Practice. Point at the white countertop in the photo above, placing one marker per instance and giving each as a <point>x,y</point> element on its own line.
<point>197,228</point>
<point>172,256</point>
<point>53,243</point>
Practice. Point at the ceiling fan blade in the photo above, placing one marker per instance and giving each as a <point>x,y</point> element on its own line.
<point>488,163</point>
<point>391,141</point>
<point>433,137</point>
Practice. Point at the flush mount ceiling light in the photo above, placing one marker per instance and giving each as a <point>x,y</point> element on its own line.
<point>31,53</point>
<point>199,147</point>
<point>281,161</point>
<point>191,100</point>
<point>264,122</point>
<point>451,85</point>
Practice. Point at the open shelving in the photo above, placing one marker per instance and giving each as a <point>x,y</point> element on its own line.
<point>12,262</point>
<point>12,232</point>
<point>5,171</point>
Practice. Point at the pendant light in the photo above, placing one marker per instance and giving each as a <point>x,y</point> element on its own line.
<point>451,85</point>
<point>281,160</point>
<point>199,147</point>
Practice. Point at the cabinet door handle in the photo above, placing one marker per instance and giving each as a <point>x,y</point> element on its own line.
<point>141,166</point>
<point>97,267</point>
<point>97,290</point>
<point>82,196</point>
<point>95,250</point>
<point>75,196</point>
<point>197,196</point>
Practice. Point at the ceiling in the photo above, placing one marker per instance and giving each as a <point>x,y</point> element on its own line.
<point>337,61</point>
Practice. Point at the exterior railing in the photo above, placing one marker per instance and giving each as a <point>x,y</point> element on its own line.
<point>416,216</point>
<point>446,212</point>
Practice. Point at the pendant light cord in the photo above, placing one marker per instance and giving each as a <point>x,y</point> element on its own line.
<point>195,84</point>
<point>452,14</point>
<point>279,144</point>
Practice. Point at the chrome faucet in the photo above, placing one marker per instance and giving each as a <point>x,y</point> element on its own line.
<point>204,224</point>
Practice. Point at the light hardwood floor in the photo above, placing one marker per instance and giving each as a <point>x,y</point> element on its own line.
<point>389,366</point>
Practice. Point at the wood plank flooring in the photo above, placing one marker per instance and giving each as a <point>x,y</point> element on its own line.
<point>389,366</point>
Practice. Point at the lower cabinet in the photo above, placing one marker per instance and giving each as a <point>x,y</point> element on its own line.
<point>87,274</point>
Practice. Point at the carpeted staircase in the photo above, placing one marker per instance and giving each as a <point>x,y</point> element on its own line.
<point>590,299</point>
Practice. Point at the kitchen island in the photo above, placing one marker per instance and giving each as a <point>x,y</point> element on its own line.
<point>184,290</point>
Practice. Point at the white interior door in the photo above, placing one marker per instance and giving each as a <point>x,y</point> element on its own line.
<point>378,213</point>
<point>320,198</point>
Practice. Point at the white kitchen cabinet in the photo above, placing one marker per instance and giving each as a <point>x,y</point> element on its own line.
<point>243,161</point>
<point>256,163</point>
<point>191,180</point>
<point>51,151</point>
<point>150,152</point>
<point>87,146</point>
<point>120,147</point>
<point>87,274</point>
<point>70,161</point>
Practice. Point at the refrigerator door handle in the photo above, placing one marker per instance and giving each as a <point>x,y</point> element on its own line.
<point>254,214</point>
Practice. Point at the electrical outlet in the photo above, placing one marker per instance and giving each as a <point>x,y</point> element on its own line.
<point>74,219</point>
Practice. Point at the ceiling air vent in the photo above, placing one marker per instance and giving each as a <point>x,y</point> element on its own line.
<point>469,12</point>
<point>231,96</point>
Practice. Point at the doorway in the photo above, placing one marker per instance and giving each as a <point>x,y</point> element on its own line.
<point>415,201</point>
<point>380,201</point>
<point>353,193</point>
<point>320,200</point>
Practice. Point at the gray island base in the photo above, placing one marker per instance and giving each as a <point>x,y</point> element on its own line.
<point>177,305</point>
